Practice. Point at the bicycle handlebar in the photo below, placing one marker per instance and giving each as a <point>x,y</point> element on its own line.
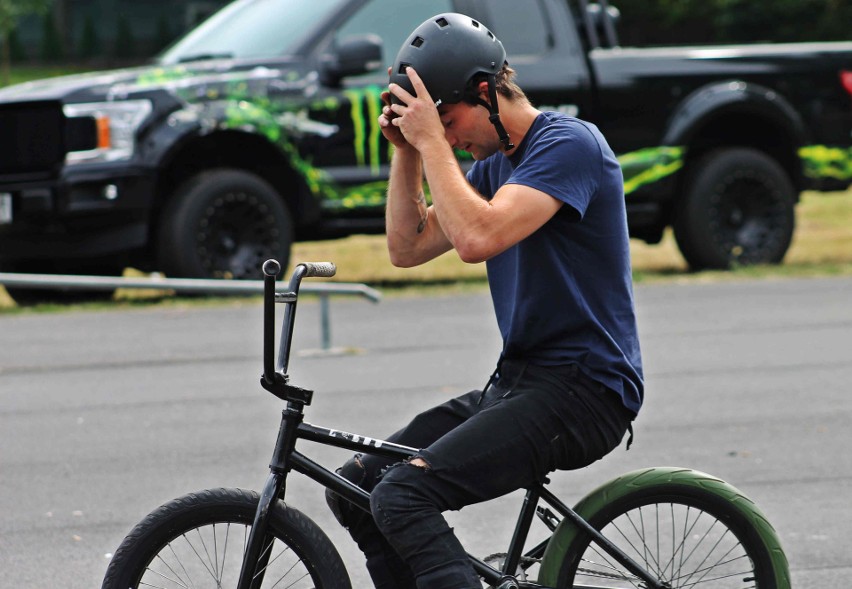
<point>271,269</point>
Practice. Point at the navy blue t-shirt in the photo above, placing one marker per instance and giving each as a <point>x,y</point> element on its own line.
<point>564,294</point>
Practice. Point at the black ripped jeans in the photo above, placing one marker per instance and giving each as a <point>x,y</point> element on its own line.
<point>530,421</point>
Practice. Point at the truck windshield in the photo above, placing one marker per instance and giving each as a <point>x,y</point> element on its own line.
<point>251,29</point>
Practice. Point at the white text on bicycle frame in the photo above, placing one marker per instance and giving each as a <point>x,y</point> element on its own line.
<point>355,438</point>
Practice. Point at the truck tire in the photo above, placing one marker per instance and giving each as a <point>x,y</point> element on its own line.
<point>223,223</point>
<point>738,209</point>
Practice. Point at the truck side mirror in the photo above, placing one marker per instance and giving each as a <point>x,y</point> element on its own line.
<point>602,20</point>
<point>352,56</point>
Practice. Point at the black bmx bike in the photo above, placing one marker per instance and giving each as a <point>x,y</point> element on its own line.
<point>653,528</point>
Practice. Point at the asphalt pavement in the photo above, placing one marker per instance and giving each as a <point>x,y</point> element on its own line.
<point>105,415</point>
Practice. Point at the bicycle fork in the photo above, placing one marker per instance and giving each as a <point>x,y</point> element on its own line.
<point>259,545</point>
<point>258,548</point>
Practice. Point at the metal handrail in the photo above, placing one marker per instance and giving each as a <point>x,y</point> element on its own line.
<point>188,285</point>
<point>193,285</point>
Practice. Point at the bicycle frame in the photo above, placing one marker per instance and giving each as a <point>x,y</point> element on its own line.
<point>286,458</point>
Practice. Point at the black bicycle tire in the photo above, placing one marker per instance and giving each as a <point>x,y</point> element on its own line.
<point>706,500</point>
<point>294,529</point>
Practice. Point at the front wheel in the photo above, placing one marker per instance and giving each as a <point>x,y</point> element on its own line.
<point>198,541</point>
<point>685,528</point>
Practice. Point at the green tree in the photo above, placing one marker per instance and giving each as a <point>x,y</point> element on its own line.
<point>17,53</point>
<point>164,34</point>
<point>11,11</point>
<point>90,43</point>
<point>125,44</point>
<point>51,43</point>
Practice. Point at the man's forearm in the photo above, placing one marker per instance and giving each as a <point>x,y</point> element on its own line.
<point>406,204</point>
<point>414,235</point>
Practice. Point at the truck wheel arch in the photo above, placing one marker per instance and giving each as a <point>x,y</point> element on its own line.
<point>236,150</point>
<point>736,113</point>
<point>234,156</point>
<point>722,99</point>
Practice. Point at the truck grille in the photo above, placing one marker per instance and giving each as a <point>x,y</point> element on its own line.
<point>31,139</point>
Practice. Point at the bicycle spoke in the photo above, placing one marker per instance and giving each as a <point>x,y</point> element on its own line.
<point>175,573</point>
<point>618,571</point>
<point>198,555</point>
<point>287,572</point>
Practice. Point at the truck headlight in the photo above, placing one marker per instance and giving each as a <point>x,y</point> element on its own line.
<point>116,124</point>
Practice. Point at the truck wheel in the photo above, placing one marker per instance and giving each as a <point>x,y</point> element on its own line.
<point>224,224</point>
<point>738,210</point>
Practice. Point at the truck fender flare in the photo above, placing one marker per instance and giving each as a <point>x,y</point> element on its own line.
<point>735,97</point>
<point>666,478</point>
<point>302,204</point>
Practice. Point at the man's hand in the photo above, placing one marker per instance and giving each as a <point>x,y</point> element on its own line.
<point>389,130</point>
<point>417,117</point>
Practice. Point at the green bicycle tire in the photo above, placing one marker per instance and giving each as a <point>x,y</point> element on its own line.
<point>669,486</point>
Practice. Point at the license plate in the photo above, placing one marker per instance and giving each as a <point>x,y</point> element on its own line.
<point>5,208</point>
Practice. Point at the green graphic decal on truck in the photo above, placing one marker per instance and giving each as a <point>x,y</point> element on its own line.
<point>369,98</point>
<point>822,161</point>
<point>649,165</point>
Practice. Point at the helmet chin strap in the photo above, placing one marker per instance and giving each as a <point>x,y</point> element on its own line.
<point>495,114</point>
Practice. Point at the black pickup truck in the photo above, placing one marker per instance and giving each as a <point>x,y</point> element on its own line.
<point>259,128</point>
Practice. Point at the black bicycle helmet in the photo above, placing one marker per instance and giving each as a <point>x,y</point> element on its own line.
<point>447,51</point>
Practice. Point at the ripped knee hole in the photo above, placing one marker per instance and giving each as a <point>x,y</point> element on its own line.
<point>420,463</point>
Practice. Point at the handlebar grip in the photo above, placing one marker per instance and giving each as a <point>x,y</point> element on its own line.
<point>320,269</point>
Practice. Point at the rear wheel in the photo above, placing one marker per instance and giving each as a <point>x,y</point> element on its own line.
<point>684,536</point>
<point>224,224</point>
<point>198,541</point>
<point>738,209</point>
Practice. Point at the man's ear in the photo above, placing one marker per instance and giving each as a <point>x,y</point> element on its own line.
<point>483,91</point>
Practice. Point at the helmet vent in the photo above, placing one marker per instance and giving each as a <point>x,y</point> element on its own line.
<point>474,23</point>
<point>402,67</point>
<point>442,22</point>
<point>418,41</point>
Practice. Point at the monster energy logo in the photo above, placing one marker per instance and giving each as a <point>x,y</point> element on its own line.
<point>365,108</point>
